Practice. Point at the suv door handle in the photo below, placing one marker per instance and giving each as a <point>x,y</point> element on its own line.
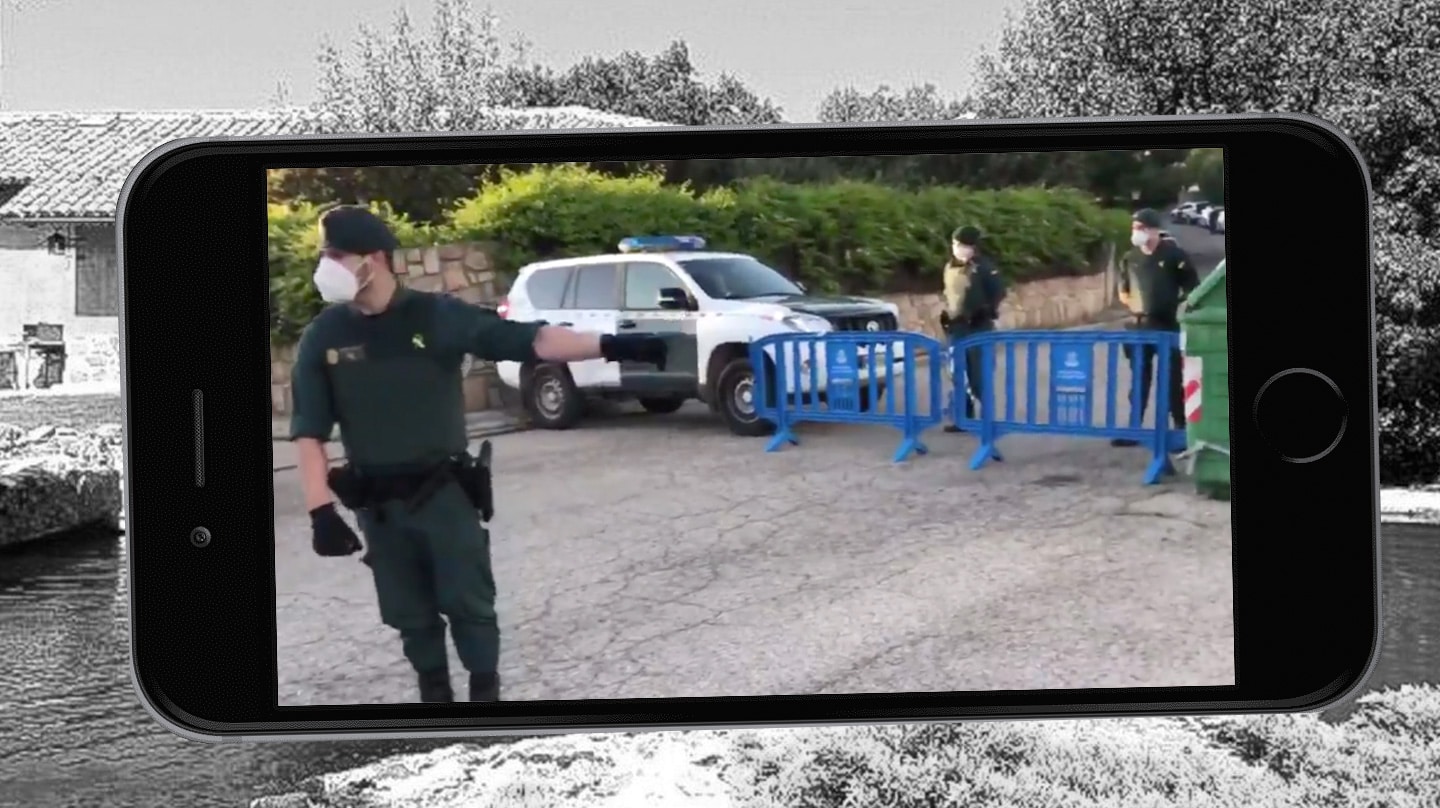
<point>626,324</point>
<point>566,325</point>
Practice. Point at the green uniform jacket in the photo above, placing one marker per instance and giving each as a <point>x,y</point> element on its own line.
<point>973,292</point>
<point>1156,284</point>
<point>392,381</point>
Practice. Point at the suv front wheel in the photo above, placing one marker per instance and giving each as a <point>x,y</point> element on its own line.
<point>735,394</point>
<point>554,402</point>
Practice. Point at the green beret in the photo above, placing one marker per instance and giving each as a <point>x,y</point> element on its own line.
<point>355,230</point>
<point>969,236</point>
<point>1149,218</point>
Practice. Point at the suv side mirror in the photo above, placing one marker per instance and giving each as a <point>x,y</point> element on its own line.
<point>801,286</point>
<point>673,297</point>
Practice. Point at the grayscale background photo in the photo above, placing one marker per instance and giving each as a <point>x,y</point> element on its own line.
<point>87,88</point>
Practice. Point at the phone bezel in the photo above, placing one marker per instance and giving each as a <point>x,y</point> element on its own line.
<point>203,620</point>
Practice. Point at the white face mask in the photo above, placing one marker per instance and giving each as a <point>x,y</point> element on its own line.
<point>1139,238</point>
<point>335,283</point>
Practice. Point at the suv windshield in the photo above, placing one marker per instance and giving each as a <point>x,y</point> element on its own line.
<point>738,278</point>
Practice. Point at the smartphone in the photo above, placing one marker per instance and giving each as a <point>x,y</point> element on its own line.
<point>706,427</point>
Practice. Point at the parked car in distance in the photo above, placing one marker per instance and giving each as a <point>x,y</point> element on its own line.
<point>1220,221</point>
<point>1189,212</point>
<point>1212,218</point>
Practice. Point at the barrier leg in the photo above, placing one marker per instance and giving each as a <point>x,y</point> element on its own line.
<point>910,443</point>
<point>1160,444</point>
<point>782,436</point>
<point>908,446</point>
<point>784,433</point>
<point>988,433</point>
<point>1156,469</point>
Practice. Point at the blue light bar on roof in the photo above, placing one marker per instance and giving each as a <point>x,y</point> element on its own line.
<point>636,244</point>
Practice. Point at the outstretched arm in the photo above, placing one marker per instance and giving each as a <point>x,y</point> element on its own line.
<point>486,335</point>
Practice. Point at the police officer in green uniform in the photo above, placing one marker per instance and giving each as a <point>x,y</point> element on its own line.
<point>973,291</point>
<point>1155,276</point>
<point>383,362</point>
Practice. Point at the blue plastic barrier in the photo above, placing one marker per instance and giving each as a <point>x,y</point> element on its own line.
<point>1069,406</point>
<point>850,377</point>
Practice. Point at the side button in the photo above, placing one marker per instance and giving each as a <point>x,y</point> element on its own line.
<point>1302,414</point>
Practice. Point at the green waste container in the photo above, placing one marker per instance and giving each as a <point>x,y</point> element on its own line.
<point>1205,349</point>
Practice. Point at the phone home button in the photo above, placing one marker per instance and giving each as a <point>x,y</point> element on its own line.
<point>1301,414</point>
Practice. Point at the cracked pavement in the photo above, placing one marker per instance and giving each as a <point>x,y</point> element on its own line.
<point>642,556</point>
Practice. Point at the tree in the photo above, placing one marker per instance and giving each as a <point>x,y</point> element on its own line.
<point>916,103</point>
<point>463,76</point>
<point>404,82</point>
<point>1206,169</point>
<point>665,87</point>
<point>1367,67</point>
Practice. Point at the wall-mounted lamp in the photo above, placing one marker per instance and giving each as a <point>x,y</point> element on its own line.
<point>55,245</point>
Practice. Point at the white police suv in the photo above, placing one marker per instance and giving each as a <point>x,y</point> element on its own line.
<point>708,306</point>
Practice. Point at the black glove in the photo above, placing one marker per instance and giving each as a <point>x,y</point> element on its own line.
<point>332,537</point>
<point>945,320</point>
<point>646,348</point>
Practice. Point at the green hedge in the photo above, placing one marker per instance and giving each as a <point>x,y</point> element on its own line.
<point>845,236</point>
<point>842,236</point>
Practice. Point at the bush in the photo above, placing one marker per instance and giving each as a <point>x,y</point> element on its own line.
<point>843,236</point>
<point>1407,337</point>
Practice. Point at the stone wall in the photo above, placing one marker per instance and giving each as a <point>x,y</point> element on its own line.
<point>465,270</point>
<point>1046,304</point>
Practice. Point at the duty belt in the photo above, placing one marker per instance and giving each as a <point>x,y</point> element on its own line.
<point>357,490</point>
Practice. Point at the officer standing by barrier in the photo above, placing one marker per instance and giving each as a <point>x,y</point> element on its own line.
<point>1155,276</point>
<point>973,292</point>
<point>384,364</point>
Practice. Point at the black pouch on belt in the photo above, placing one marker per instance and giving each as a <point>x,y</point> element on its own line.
<point>348,485</point>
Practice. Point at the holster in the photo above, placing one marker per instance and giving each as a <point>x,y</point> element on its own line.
<point>473,474</point>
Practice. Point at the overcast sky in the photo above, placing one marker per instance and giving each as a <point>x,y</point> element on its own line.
<point>180,54</point>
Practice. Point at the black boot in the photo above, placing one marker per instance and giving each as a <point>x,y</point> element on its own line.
<point>435,687</point>
<point>484,687</point>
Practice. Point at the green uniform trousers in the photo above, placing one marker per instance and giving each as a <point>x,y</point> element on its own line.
<point>974,364</point>
<point>1141,359</point>
<point>433,563</point>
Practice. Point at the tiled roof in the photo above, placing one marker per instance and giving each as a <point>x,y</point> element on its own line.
<point>72,164</point>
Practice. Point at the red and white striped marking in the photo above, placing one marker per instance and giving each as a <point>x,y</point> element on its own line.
<point>1190,375</point>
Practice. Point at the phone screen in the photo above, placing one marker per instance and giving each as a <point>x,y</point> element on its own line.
<point>870,424</point>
